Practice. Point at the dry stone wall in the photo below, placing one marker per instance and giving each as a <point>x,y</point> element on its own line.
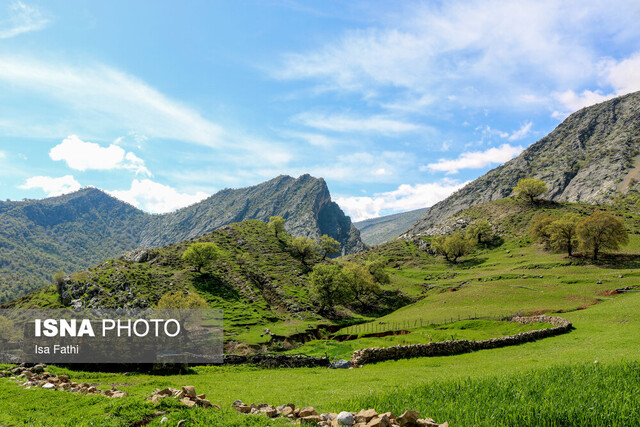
<point>444,348</point>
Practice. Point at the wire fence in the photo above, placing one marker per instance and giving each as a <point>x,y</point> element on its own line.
<point>383,327</point>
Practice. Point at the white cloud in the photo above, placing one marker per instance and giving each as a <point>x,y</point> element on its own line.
<point>473,53</point>
<point>344,123</point>
<point>106,97</point>
<point>522,132</point>
<point>573,101</point>
<point>3,155</point>
<point>22,19</point>
<point>624,76</point>
<point>475,159</point>
<point>154,197</point>
<point>365,167</point>
<point>52,186</point>
<point>404,198</point>
<point>82,156</point>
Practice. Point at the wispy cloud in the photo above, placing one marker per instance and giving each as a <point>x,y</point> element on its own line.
<point>107,95</point>
<point>474,53</point>
<point>52,186</point>
<point>404,198</point>
<point>82,156</point>
<point>345,123</point>
<point>475,159</point>
<point>154,197</point>
<point>21,19</point>
<point>521,133</point>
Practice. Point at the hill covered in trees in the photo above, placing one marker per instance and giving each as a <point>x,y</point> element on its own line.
<point>74,231</point>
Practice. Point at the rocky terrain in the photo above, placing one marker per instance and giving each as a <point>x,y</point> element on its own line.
<point>77,230</point>
<point>375,231</point>
<point>590,157</point>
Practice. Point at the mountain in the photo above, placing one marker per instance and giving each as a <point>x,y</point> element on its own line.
<point>379,230</point>
<point>590,157</point>
<point>305,203</point>
<point>73,231</point>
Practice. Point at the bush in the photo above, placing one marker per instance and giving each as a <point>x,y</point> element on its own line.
<point>201,254</point>
<point>182,299</point>
<point>529,188</point>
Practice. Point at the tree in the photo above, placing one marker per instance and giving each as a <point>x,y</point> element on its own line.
<point>200,254</point>
<point>328,245</point>
<point>453,247</point>
<point>529,188</point>
<point>276,223</point>
<point>327,285</point>
<point>601,230</point>
<point>304,247</point>
<point>377,270</point>
<point>539,228</point>
<point>562,233</point>
<point>360,283</point>
<point>478,230</point>
<point>182,299</point>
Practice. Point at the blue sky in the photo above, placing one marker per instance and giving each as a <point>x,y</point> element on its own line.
<point>395,104</point>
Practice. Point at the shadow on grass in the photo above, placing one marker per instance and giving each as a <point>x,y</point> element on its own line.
<point>214,285</point>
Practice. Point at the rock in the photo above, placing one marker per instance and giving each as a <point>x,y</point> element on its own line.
<point>39,368</point>
<point>189,391</point>
<point>188,402</point>
<point>307,412</point>
<point>201,396</point>
<point>341,364</point>
<point>428,422</point>
<point>311,419</point>
<point>204,403</point>
<point>64,378</point>
<point>287,411</point>
<point>364,416</point>
<point>379,421</point>
<point>48,386</point>
<point>345,419</point>
<point>164,392</point>
<point>164,420</point>
<point>408,418</point>
<point>270,411</point>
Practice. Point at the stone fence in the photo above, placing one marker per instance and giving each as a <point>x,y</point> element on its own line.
<point>444,348</point>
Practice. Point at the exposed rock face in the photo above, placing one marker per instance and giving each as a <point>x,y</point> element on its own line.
<point>305,203</point>
<point>589,157</point>
<point>375,231</point>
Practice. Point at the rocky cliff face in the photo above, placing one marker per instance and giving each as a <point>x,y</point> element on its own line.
<point>305,203</point>
<point>589,157</point>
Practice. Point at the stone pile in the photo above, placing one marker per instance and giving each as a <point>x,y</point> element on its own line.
<point>187,396</point>
<point>363,418</point>
<point>37,376</point>
<point>444,348</point>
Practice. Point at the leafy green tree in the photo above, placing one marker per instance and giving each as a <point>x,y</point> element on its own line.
<point>562,232</point>
<point>479,230</point>
<point>182,299</point>
<point>276,224</point>
<point>539,228</point>
<point>328,245</point>
<point>327,285</point>
<point>200,254</point>
<point>529,188</point>
<point>601,230</point>
<point>377,269</point>
<point>453,246</point>
<point>360,283</point>
<point>304,247</point>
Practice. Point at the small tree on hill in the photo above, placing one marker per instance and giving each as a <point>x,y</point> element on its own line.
<point>479,230</point>
<point>182,299</point>
<point>360,283</point>
<point>453,247</point>
<point>328,245</point>
<point>601,230</point>
<point>200,254</point>
<point>276,224</point>
<point>539,228</point>
<point>529,188</point>
<point>304,247</point>
<point>562,233</point>
<point>377,269</point>
<point>327,286</point>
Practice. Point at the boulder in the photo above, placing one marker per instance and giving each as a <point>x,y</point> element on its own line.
<point>365,415</point>
<point>189,391</point>
<point>188,402</point>
<point>307,412</point>
<point>408,419</point>
<point>341,364</point>
<point>345,419</point>
<point>48,386</point>
<point>379,421</point>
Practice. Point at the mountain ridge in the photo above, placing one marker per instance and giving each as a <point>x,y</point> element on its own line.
<point>589,157</point>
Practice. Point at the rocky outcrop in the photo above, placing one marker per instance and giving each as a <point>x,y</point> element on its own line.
<point>589,157</point>
<point>444,348</point>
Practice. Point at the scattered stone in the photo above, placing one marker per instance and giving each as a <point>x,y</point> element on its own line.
<point>408,418</point>
<point>307,412</point>
<point>340,364</point>
<point>345,419</point>
<point>189,391</point>
<point>164,420</point>
<point>48,386</point>
<point>364,416</point>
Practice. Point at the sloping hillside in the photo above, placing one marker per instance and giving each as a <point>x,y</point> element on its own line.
<point>590,157</point>
<point>77,230</point>
<point>380,230</point>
